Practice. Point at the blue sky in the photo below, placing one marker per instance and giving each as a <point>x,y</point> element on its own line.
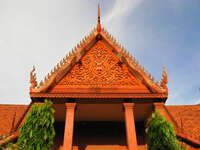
<point>157,32</point>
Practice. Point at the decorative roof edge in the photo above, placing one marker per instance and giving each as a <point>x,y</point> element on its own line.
<point>78,51</point>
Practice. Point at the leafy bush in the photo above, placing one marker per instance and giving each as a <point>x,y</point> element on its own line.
<point>161,135</point>
<point>38,131</point>
<point>8,146</point>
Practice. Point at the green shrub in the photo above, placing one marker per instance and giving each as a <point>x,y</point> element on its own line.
<point>8,146</point>
<point>38,131</point>
<point>161,135</point>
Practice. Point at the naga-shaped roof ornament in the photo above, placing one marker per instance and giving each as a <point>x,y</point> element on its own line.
<point>164,79</point>
<point>33,79</point>
<point>99,20</point>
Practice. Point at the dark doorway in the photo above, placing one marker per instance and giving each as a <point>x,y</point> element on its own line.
<point>100,135</point>
<point>141,135</point>
<point>58,140</point>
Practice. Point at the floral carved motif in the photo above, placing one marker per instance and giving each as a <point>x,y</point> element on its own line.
<point>99,67</point>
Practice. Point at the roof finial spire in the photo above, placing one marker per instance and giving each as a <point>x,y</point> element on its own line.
<point>33,79</point>
<point>164,79</point>
<point>99,20</point>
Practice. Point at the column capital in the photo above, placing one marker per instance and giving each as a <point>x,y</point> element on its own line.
<point>70,105</point>
<point>129,105</point>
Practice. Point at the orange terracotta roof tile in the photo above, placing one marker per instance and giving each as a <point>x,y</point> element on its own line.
<point>188,119</point>
<point>9,117</point>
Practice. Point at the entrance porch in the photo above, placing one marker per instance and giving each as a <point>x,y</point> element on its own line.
<point>103,126</point>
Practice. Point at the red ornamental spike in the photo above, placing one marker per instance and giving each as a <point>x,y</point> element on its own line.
<point>99,20</point>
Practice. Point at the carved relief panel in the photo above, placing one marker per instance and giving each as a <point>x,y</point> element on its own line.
<point>99,68</point>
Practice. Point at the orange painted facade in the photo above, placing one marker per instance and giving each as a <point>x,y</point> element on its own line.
<point>103,97</point>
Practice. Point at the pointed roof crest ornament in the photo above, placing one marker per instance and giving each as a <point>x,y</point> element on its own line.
<point>164,79</point>
<point>99,20</point>
<point>33,79</point>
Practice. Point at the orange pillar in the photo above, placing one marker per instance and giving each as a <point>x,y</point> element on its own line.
<point>69,126</point>
<point>130,126</point>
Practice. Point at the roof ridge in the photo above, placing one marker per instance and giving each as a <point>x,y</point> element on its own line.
<point>170,115</point>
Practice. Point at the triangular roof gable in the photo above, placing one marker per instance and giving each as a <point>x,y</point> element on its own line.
<point>99,70</point>
<point>79,51</point>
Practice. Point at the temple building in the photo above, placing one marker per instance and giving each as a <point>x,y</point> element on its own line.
<point>102,98</point>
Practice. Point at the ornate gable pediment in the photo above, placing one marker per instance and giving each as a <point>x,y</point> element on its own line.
<point>98,64</point>
<point>99,69</point>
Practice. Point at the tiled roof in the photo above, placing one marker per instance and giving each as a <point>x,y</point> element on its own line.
<point>9,117</point>
<point>187,118</point>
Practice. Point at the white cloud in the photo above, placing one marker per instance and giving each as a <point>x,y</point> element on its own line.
<point>114,19</point>
<point>36,33</point>
<point>121,8</point>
